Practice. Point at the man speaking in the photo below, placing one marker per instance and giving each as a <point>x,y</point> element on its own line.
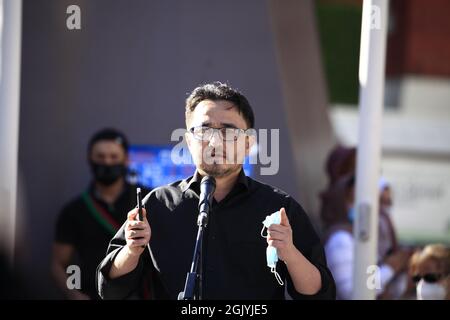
<point>239,260</point>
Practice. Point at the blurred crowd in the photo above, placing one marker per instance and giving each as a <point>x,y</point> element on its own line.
<point>404,272</point>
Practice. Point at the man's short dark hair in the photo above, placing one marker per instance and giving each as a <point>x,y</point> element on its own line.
<point>109,134</point>
<point>219,91</point>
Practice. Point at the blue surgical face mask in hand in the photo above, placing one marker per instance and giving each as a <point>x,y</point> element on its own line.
<point>271,252</point>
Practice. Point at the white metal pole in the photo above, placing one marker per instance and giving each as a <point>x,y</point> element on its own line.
<point>371,96</point>
<point>11,35</point>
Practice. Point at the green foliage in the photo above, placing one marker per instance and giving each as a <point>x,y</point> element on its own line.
<point>340,28</point>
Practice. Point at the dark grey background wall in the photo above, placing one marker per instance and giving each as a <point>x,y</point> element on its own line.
<point>130,66</point>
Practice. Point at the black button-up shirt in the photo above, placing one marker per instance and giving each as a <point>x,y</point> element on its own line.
<point>234,265</point>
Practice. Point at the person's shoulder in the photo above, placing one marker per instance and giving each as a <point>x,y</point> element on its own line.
<point>169,191</point>
<point>272,191</point>
<point>175,186</point>
<point>70,210</point>
<point>265,187</point>
<point>73,204</point>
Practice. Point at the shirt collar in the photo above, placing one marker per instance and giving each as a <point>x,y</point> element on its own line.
<point>193,182</point>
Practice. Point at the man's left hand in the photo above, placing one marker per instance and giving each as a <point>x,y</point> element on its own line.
<point>280,237</point>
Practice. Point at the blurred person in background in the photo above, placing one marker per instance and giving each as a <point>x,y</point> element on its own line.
<point>337,214</point>
<point>429,269</point>
<point>388,243</point>
<point>387,237</point>
<point>87,223</point>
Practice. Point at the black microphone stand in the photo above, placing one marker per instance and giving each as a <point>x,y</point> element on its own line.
<point>193,285</point>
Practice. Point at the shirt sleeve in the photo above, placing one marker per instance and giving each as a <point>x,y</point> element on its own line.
<point>124,287</point>
<point>308,243</point>
<point>339,252</point>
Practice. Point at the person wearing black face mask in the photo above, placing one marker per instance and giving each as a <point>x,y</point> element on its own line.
<point>108,174</point>
<point>86,224</point>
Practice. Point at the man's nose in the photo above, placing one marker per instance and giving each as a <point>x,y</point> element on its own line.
<point>215,140</point>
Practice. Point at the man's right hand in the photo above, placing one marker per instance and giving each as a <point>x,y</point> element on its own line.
<point>137,236</point>
<point>137,233</point>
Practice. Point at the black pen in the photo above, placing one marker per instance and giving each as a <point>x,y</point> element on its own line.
<point>139,203</point>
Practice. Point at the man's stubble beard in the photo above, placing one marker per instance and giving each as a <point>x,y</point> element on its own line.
<point>219,170</point>
<point>223,167</point>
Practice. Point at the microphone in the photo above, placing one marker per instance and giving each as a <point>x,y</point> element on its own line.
<point>207,188</point>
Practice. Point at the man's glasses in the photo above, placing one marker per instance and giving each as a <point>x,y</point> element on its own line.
<point>429,277</point>
<point>225,133</point>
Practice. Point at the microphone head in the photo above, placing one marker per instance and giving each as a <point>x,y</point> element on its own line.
<point>207,188</point>
<point>208,184</point>
<point>208,179</point>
